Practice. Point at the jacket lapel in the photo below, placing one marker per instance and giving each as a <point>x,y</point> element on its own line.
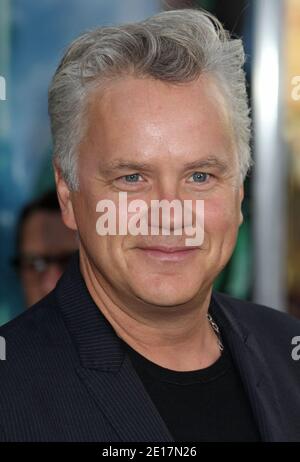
<point>123,399</point>
<point>254,371</point>
<point>105,368</point>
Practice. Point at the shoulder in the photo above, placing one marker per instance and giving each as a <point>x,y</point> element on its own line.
<point>39,353</point>
<point>254,311</point>
<point>38,370</point>
<point>31,336</point>
<point>264,321</point>
<point>39,321</point>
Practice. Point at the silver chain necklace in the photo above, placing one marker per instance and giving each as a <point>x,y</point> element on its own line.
<point>217,331</point>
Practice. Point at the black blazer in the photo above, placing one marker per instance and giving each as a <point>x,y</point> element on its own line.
<point>66,376</point>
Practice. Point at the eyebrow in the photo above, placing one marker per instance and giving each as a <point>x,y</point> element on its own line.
<point>209,162</point>
<point>117,165</point>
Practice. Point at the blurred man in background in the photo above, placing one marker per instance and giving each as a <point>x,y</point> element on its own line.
<point>44,246</point>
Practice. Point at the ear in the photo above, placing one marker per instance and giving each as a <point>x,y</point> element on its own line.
<point>65,199</point>
<point>241,197</point>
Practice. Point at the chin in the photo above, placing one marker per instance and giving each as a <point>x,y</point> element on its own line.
<point>165,294</point>
<point>166,300</point>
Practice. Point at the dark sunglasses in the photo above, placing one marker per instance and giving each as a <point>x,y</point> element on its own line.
<point>40,263</point>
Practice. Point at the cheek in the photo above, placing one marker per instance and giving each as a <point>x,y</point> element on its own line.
<point>221,216</point>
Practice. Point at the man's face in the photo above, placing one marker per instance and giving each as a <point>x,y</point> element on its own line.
<point>150,139</point>
<point>44,237</point>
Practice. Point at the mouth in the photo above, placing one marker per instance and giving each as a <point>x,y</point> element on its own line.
<point>169,254</point>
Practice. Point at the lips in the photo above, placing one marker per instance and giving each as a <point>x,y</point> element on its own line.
<point>167,253</point>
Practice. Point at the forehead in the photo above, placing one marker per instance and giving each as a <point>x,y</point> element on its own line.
<point>143,115</point>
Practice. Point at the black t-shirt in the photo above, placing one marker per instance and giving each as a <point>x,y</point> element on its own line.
<point>204,405</point>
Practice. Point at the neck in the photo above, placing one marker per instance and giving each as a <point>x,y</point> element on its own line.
<point>178,337</point>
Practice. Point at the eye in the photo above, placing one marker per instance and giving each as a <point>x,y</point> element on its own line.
<point>200,177</point>
<point>133,181</point>
<point>132,178</point>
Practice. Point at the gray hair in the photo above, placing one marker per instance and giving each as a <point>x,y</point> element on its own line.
<point>173,46</point>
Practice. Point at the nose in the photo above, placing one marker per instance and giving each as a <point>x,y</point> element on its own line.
<point>167,188</point>
<point>166,205</point>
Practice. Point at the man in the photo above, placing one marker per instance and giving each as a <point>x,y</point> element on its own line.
<point>133,344</point>
<point>44,246</point>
